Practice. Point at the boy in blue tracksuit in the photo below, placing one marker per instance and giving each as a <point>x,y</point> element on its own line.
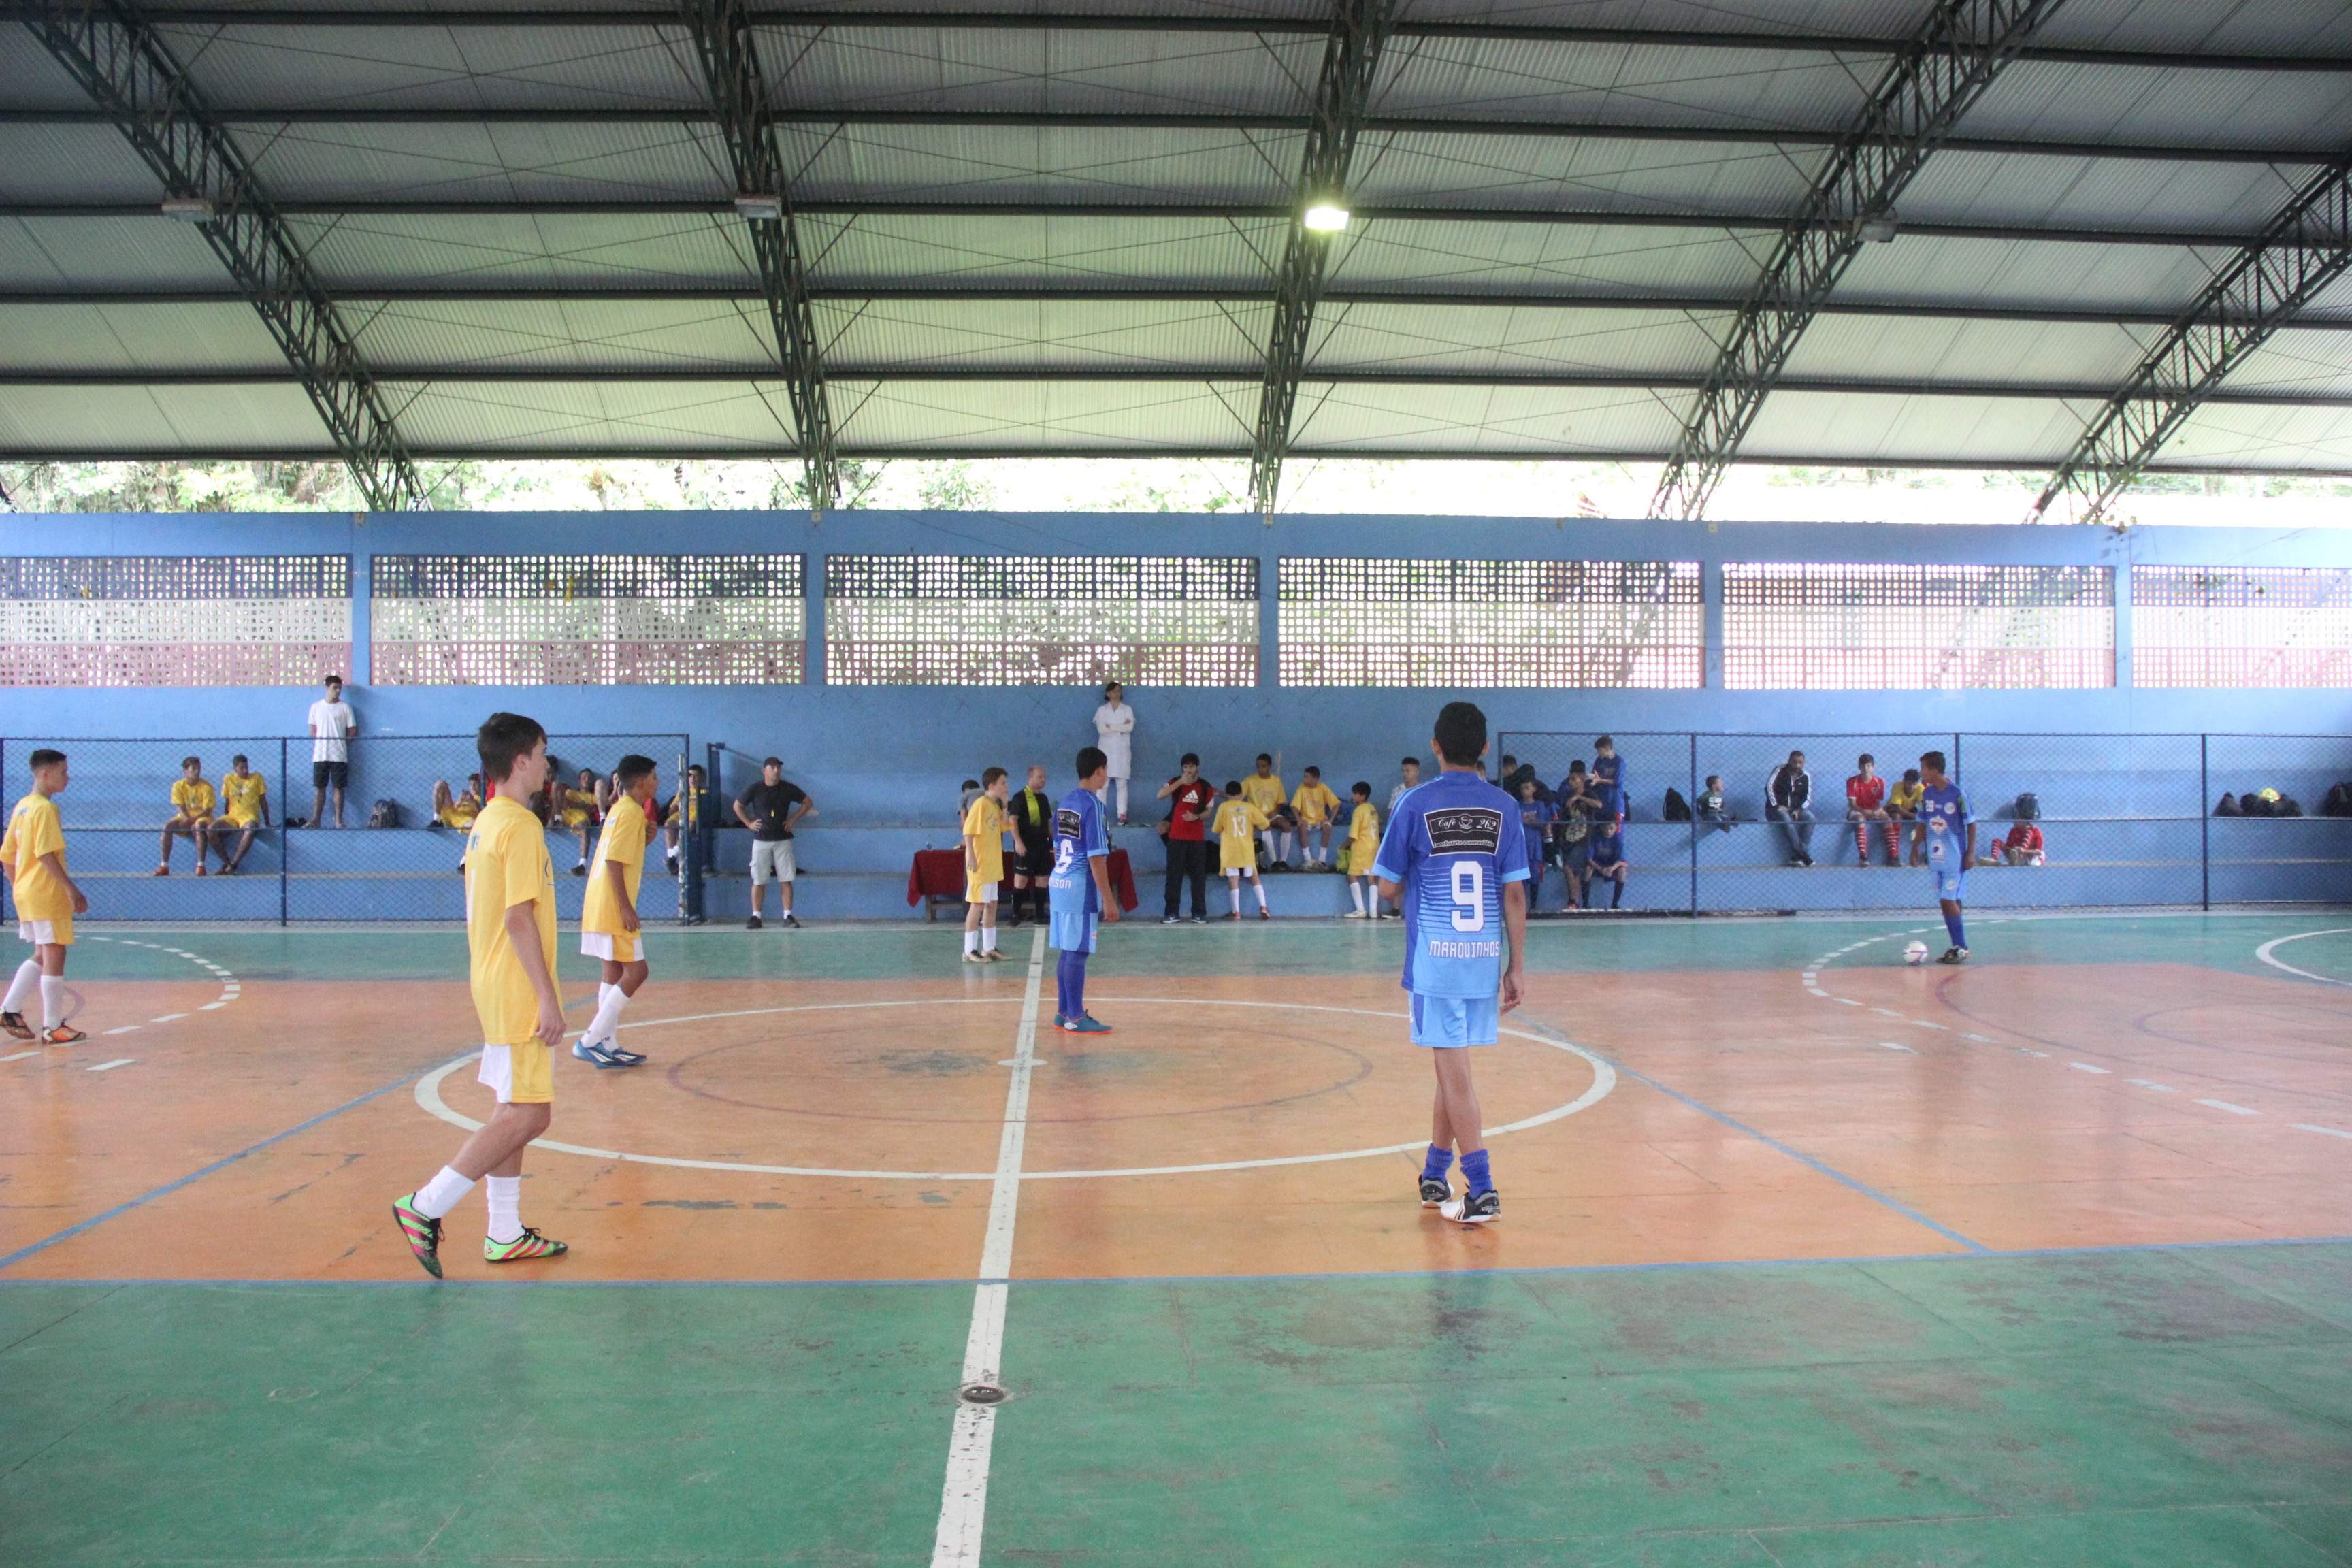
<point>1078,890</point>
<point>1455,859</point>
<point>1951,835</point>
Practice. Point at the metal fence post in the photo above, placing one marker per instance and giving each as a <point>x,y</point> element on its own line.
<point>2205,819</point>
<point>1694,824</point>
<point>284,833</point>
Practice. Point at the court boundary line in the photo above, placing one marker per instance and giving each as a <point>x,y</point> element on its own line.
<point>2264,954</point>
<point>168,1188</point>
<point>963,1493</point>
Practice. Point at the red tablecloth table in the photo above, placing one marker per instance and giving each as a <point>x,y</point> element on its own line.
<point>936,878</point>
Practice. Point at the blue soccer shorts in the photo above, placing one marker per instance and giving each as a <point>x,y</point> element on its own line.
<point>1948,878</point>
<point>1072,933</point>
<point>1450,1022</point>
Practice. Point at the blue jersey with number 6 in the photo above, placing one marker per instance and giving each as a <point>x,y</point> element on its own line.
<point>1452,845</point>
<point>1078,836</point>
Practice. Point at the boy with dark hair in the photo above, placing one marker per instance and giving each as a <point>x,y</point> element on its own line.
<point>579,808</point>
<point>1713,810</point>
<point>1605,861</point>
<point>1951,835</point>
<point>332,725</point>
<point>983,866</point>
<point>1578,806</point>
<point>1451,857</point>
<point>1314,805</point>
<point>245,796</point>
<point>1236,828</point>
<point>681,817</point>
<point>1537,816</point>
<point>1263,789</point>
<point>1408,780</point>
<point>1609,778</point>
<point>1902,806</point>
<point>609,926</point>
<point>1866,803</point>
<point>770,808</point>
<point>1032,813</point>
<point>1079,890</point>
<point>1362,848</point>
<point>510,940</point>
<point>1188,840</point>
<point>33,858</point>
<point>191,814</point>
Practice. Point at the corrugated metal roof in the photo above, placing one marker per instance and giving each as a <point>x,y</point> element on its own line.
<point>617,417</point>
<point>229,336</point>
<point>1503,257</point>
<point>2246,26</point>
<point>1612,176</point>
<point>550,250</point>
<point>1092,417</point>
<point>1035,163</point>
<point>2104,192</point>
<point>98,420</point>
<point>2284,439</point>
<point>997,252</point>
<point>1472,341</point>
<point>672,335</point>
<point>1887,432</point>
<point>105,253</point>
<point>423,68</point>
<point>1332,420</point>
<point>2200,108</point>
<point>1053,334</point>
<point>1959,352</point>
<point>1517,78</point>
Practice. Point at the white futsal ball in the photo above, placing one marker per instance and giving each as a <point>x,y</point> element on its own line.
<point>1915,953</point>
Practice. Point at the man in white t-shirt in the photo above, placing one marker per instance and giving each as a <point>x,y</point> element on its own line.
<point>332,728</point>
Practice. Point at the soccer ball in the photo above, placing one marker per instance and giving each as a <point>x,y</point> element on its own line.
<point>1915,953</point>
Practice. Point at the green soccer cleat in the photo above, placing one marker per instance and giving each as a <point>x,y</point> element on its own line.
<point>523,1249</point>
<point>423,1235</point>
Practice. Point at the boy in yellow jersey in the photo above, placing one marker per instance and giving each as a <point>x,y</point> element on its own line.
<point>608,913</point>
<point>1263,789</point>
<point>191,814</point>
<point>458,811</point>
<point>983,866</point>
<point>511,936</point>
<point>1903,803</point>
<point>245,799</point>
<point>33,858</point>
<point>577,808</point>
<point>1235,826</point>
<point>681,819</point>
<point>1315,805</point>
<point>1363,846</point>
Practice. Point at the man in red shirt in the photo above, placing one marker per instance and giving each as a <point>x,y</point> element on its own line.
<point>1866,803</point>
<point>1188,840</point>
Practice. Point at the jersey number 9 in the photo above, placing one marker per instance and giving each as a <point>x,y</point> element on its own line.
<point>1469,896</point>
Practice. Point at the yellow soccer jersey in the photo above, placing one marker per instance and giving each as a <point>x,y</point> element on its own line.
<point>624,839</point>
<point>575,807</point>
<point>193,797</point>
<point>1364,832</point>
<point>245,796</point>
<point>34,831</point>
<point>505,864</point>
<point>1236,823</point>
<point>1315,804</point>
<point>1264,794</point>
<point>984,824</point>
<point>1905,797</point>
<point>459,813</point>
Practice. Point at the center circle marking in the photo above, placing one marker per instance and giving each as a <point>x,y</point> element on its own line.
<point>1604,1080</point>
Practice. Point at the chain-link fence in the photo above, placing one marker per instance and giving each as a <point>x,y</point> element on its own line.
<point>1790,822</point>
<point>272,850</point>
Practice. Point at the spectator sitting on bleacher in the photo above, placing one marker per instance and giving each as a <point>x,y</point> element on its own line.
<point>579,810</point>
<point>1609,777</point>
<point>681,814</point>
<point>1866,803</point>
<point>1315,806</point>
<point>245,794</point>
<point>458,811</point>
<point>1408,777</point>
<point>1263,789</point>
<point>2022,847</point>
<point>1605,861</point>
<point>1902,806</point>
<point>1788,801</point>
<point>1577,805</point>
<point>1514,772</point>
<point>1537,816</point>
<point>191,814</point>
<point>1712,808</point>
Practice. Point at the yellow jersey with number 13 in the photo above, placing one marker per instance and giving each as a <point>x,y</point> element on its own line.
<point>505,864</point>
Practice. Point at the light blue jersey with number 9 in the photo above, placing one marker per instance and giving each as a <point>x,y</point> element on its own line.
<point>1453,844</point>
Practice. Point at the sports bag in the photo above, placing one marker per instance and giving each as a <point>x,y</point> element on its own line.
<point>384,814</point>
<point>1676,808</point>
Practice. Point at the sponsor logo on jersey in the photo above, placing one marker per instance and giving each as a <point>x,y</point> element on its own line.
<point>1464,830</point>
<point>1068,824</point>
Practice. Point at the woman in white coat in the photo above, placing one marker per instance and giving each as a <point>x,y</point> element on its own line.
<point>1113,730</point>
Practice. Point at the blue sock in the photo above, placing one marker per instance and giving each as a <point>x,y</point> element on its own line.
<point>1439,1161</point>
<point>1076,984</point>
<point>1062,985</point>
<point>1958,927</point>
<point>1474,1174</point>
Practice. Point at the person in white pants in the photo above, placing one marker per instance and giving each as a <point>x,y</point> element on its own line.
<point>1114,733</point>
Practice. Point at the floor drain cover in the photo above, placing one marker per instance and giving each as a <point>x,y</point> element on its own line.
<point>982,1393</point>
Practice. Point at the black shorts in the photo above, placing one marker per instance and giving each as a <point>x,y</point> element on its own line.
<point>325,774</point>
<point>1034,861</point>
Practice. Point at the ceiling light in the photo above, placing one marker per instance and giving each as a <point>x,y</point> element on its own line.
<point>1325,217</point>
<point>188,209</point>
<point>754,209</point>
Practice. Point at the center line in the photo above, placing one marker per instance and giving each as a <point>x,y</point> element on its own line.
<point>963,1500</point>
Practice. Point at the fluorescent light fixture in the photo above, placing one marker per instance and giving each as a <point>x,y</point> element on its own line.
<point>1877,231</point>
<point>188,209</point>
<point>1325,217</point>
<point>752,209</point>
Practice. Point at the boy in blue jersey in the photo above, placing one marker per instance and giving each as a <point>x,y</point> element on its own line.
<point>1078,890</point>
<point>1455,859</point>
<point>1951,835</point>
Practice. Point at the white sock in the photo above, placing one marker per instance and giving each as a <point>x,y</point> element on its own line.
<point>53,1001</point>
<point>442,1194</point>
<point>610,1000</point>
<point>22,986</point>
<point>1282,846</point>
<point>972,941</point>
<point>988,939</point>
<point>505,1194</point>
<point>1256,886</point>
<point>1235,885</point>
<point>1356,891</point>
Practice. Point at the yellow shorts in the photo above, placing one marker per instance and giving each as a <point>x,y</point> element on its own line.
<point>616,946</point>
<point>574,816</point>
<point>976,891</point>
<point>1237,857</point>
<point>58,932</point>
<point>519,1074</point>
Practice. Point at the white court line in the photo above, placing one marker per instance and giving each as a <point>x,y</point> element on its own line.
<point>1890,1046</point>
<point>964,1499</point>
<point>2085,1067</point>
<point>2267,952</point>
<point>2232,1110</point>
<point>2300,1126</point>
<point>18,1056</point>
<point>117,1062</point>
<point>2152,1083</point>
<point>167,1018</point>
<point>125,1030</point>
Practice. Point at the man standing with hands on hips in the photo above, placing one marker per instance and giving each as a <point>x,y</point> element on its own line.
<point>770,808</point>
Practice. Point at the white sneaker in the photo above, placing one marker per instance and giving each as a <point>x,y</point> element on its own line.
<point>1355,915</point>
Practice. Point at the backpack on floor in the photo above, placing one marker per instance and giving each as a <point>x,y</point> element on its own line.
<point>2338,802</point>
<point>2227,806</point>
<point>2286,806</point>
<point>384,814</point>
<point>2252,803</point>
<point>1676,808</point>
<point>2027,809</point>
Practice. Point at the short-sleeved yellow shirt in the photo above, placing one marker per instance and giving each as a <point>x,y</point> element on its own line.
<point>984,824</point>
<point>34,831</point>
<point>459,813</point>
<point>1905,797</point>
<point>624,839</point>
<point>1236,823</point>
<point>1364,827</point>
<point>1264,794</point>
<point>1315,804</point>
<point>193,797</point>
<point>244,797</point>
<point>505,864</point>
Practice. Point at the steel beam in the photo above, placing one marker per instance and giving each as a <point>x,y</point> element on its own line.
<point>730,53</point>
<point>1962,48</point>
<point>2308,247</point>
<point>1343,89</point>
<point>121,62</point>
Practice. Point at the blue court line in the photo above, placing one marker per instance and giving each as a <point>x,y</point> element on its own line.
<point>94,1221</point>
<point>1831,1172</point>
